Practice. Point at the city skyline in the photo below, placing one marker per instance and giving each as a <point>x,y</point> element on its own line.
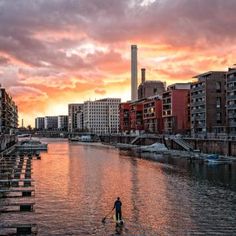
<point>60,52</point>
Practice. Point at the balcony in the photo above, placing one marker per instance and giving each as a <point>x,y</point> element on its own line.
<point>231,79</point>
<point>232,123</point>
<point>232,106</point>
<point>195,111</point>
<point>198,88</point>
<point>199,103</point>
<point>199,95</point>
<point>231,115</point>
<point>231,88</point>
<point>231,97</point>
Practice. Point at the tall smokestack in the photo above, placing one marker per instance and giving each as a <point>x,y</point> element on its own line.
<point>134,72</point>
<point>143,74</point>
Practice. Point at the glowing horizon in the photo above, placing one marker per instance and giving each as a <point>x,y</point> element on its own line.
<point>57,52</point>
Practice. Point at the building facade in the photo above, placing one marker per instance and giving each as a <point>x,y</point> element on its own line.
<point>51,122</point>
<point>136,117</point>
<point>176,109</point>
<point>80,121</point>
<point>150,88</point>
<point>231,101</point>
<point>62,121</point>
<point>39,123</point>
<point>208,113</point>
<point>73,110</point>
<point>152,115</point>
<point>101,116</point>
<point>8,113</point>
<point>124,116</point>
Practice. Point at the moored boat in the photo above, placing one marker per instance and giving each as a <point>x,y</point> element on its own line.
<point>216,159</point>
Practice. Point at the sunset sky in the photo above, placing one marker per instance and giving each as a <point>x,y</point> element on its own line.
<point>55,52</point>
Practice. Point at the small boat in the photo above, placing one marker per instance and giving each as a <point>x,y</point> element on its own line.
<point>216,159</point>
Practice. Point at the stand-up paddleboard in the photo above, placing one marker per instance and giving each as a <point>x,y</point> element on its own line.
<point>119,224</point>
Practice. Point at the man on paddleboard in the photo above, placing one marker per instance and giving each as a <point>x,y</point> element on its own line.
<point>117,206</point>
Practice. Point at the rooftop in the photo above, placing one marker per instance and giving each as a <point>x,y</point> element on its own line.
<point>209,73</point>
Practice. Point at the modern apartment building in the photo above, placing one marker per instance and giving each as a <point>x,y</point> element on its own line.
<point>51,122</point>
<point>176,110</point>
<point>208,103</point>
<point>152,115</point>
<point>39,123</point>
<point>124,116</point>
<point>73,110</point>
<point>136,116</point>
<point>231,101</point>
<point>8,113</point>
<point>62,122</point>
<point>101,116</point>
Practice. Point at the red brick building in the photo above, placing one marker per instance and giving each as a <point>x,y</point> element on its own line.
<point>124,112</point>
<point>176,109</point>
<point>152,115</point>
<point>136,116</point>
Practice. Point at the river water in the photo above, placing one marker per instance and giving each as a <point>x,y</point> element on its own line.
<point>77,184</point>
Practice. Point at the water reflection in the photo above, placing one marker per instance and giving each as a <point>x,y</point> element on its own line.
<point>76,186</point>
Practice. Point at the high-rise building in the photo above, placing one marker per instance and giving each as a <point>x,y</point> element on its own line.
<point>39,123</point>
<point>62,122</point>
<point>176,110</point>
<point>101,116</point>
<point>231,101</point>
<point>51,122</point>
<point>8,113</point>
<point>73,110</point>
<point>134,72</point>
<point>208,103</point>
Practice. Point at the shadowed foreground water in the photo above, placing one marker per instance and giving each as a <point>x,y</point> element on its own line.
<point>76,186</point>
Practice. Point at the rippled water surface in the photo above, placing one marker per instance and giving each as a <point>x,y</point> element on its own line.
<point>76,186</point>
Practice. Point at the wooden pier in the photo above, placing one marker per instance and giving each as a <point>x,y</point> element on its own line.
<point>17,193</point>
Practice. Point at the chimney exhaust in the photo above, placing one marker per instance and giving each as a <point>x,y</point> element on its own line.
<point>143,75</point>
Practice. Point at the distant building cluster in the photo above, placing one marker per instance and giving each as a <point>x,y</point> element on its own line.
<point>8,113</point>
<point>52,123</point>
<point>98,117</point>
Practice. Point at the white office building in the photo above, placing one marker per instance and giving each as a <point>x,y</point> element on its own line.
<point>101,116</point>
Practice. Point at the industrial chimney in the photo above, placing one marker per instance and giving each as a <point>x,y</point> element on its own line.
<point>134,72</point>
<point>143,75</point>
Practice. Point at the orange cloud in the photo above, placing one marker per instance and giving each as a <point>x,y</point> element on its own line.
<point>56,53</point>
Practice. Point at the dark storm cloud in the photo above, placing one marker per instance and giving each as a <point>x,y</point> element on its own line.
<point>179,22</point>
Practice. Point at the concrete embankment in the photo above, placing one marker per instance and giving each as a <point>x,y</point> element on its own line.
<point>207,146</point>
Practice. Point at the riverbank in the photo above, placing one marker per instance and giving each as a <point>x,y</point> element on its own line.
<point>224,147</point>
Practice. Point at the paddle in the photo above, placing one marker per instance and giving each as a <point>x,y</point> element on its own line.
<point>104,219</point>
